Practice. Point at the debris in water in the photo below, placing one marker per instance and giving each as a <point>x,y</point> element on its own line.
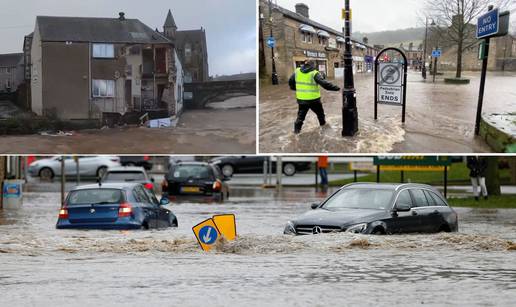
<point>362,243</point>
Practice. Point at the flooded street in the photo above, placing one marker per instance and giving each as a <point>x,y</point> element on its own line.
<point>208,131</point>
<point>440,117</point>
<point>41,265</point>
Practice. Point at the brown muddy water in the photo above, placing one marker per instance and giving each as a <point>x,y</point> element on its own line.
<point>41,266</point>
<point>440,117</point>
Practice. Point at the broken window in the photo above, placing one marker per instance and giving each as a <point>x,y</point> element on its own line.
<point>103,88</point>
<point>106,51</point>
<point>161,60</point>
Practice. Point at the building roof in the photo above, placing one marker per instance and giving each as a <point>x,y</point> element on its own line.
<point>10,59</point>
<point>88,29</point>
<point>308,21</point>
<point>169,22</point>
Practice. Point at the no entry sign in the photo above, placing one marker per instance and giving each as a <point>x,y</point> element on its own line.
<point>390,80</point>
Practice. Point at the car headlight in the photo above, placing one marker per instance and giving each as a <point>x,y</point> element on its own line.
<point>289,229</point>
<point>359,228</point>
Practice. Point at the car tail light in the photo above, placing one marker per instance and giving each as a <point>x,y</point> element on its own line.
<point>63,213</point>
<point>164,184</point>
<point>125,210</point>
<point>217,186</point>
<point>149,186</point>
<point>146,158</point>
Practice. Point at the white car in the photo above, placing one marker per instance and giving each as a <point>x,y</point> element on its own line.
<point>94,166</point>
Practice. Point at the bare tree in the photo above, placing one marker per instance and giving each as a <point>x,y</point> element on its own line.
<point>455,21</point>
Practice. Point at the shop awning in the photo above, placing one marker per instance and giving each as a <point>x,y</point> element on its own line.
<point>307,28</point>
<point>341,39</point>
<point>323,33</point>
<point>360,46</point>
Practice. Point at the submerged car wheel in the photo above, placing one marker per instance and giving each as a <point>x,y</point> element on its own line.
<point>289,169</point>
<point>378,231</point>
<point>228,170</point>
<point>46,173</point>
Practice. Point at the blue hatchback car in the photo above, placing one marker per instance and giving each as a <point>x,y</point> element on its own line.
<point>114,206</point>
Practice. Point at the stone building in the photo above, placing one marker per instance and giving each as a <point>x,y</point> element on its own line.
<point>298,37</point>
<point>11,72</point>
<point>192,48</point>
<point>90,68</point>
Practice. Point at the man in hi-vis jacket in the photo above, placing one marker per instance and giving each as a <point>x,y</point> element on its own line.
<point>306,81</point>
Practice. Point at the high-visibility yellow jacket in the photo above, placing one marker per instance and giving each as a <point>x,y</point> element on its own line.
<point>306,87</point>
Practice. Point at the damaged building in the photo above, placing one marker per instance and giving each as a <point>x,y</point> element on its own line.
<point>96,68</point>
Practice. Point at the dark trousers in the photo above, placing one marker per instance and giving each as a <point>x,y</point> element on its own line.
<point>324,176</point>
<point>304,107</point>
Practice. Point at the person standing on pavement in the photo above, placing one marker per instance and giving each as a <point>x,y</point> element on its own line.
<point>322,164</point>
<point>306,81</point>
<point>477,166</point>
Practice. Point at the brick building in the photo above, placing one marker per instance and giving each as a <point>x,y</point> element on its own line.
<point>298,37</point>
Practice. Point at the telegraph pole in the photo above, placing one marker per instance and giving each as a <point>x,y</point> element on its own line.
<point>274,72</point>
<point>349,103</point>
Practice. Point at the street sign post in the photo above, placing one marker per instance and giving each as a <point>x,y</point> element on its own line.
<point>271,42</point>
<point>491,24</point>
<point>390,81</point>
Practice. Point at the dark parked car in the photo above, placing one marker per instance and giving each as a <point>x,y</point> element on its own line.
<point>114,206</point>
<point>254,164</point>
<point>195,180</point>
<point>143,161</point>
<point>378,209</point>
<point>129,174</point>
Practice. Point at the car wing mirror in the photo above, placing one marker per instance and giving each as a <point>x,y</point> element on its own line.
<point>152,179</point>
<point>315,206</point>
<point>164,201</point>
<point>402,207</point>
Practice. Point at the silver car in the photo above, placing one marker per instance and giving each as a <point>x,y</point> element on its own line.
<point>94,166</point>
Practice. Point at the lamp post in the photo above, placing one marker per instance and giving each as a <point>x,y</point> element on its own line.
<point>274,73</point>
<point>423,71</point>
<point>349,103</point>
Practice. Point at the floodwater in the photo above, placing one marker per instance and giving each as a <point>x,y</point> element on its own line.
<point>41,265</point>
<point>227,130</point>
<point>440,117</point>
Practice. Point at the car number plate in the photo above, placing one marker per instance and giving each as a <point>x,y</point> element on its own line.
<point>190,189</point>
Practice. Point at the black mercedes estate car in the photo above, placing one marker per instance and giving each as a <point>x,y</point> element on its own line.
<point>371,208</point>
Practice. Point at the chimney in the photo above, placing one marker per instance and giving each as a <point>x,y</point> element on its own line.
<point>302,9</point>
<point>121,16</point>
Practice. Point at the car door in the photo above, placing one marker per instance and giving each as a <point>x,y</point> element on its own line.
<point>149,209</point>
<point>422,210</point>
<point>404,222</point>
<point>162,214</point>
<point>436,211</point>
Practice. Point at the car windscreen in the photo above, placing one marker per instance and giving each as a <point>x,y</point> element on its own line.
<point>94,196</point>
<point>360,198</point>
<point>182,173</point>
<point>124,176</point>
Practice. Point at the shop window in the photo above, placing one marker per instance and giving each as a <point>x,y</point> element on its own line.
<point>103,88</point>
<point>104,51</point>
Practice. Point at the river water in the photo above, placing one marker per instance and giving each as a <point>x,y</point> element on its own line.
<point>40,265</point>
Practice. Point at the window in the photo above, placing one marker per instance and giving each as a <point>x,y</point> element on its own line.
<point>307,37</point>
<point>8,84</point>
<point>419,198</point>
<point>103,88</point>
<point>322,41</point>
<point>404,198</point>
<point>438,200</point>
<point>105,51</point>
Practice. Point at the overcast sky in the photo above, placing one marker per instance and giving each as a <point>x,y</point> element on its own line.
<point>230,24</point>
<point>368,15</point>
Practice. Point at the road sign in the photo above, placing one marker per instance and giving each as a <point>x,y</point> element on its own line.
<point>271,42</point>
<point>412,163</point>
<point>390,74</point>
<point>226,224</point>
<point>389,94</point>
<point>343,15</point>
<point>488,24</point>
<point>206,233</point>
<point>436,53</point>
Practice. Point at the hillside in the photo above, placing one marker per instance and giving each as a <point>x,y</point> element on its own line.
<point>393,37</point>
<point>245,76</point>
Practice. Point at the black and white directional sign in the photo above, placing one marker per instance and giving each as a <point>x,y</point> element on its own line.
<point>389,87</point>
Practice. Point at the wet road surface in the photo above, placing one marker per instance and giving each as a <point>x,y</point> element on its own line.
<point>440,117</point>
<point>41,265</point>
<point>208,131</point>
